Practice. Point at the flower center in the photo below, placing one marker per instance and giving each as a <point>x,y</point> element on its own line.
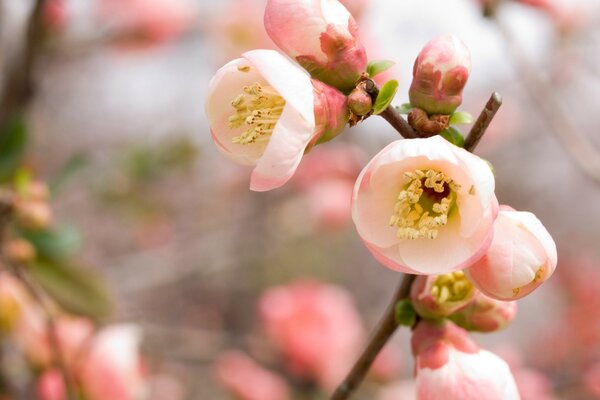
<point>424,204</point>
<point>451,287</point>
<point>256,112</point>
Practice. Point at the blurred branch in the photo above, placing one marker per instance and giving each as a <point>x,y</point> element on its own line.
<point>483,121</point>
<point>585,155</point>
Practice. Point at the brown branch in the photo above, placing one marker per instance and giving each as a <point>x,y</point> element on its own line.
<point>483,121</point>
<point>391,115</point>
<point>385,329</point>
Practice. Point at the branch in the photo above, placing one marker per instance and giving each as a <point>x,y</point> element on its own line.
<point>483,121</point>
<point>391,115</point>
<point>385,329</point>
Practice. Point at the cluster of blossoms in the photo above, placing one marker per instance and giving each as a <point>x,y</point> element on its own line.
<point>103,365</point>
<point>423,206</point>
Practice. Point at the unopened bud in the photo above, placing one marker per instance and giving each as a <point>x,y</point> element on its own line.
<point>438,296</point>
<point>439,75</point>
<point>485,314</point>
<point>18,251</point>
<point>360,102</point>
<point>33,214</point>
<point>37,191</point>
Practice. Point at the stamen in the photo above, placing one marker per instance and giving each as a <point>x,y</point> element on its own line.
<point>451,287</point>
<point>257,111</point>
<point>420,209</point>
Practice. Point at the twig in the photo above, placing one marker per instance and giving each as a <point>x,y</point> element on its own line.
<point>391,115</point>
<point>483,121</point>
<point>388,325</point>
<point>385,329</point>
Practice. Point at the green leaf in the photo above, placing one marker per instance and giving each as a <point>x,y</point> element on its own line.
<point>54,244</point>
<point>385,96</point>
<point>454,136</point>
<point>77,290</point>
<point>12,146</point>
<point>404,108</point>
<point>405,313</point>
<point>461,118</point>
<point>376,67</point>
<point>67,171</point>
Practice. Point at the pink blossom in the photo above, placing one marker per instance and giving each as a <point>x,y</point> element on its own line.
<point>484,314</point>
<point>450,366</point>
<point>50,385</point>
<point>264,110</point>
<point>440,73</point>
<point>522,256</point>
<point>246,380</point>
<point>401,390</point>
<point>533,385</point>
<point>316,327</point>
<point>321,35</point>
<point>112,367</point>
<point>591,379</point>
<point>425,206</point>
<point>436,296</point>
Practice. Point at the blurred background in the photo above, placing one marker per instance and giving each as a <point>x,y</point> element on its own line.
<point>142,198</point>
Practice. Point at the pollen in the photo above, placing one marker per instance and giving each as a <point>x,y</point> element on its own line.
<point>451,287</point>
<point>257,110</point>
<point>424,204</point>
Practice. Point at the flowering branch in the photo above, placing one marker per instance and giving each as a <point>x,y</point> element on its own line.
<point>388,323</point>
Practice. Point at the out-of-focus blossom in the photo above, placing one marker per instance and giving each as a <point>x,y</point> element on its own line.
<point>436,296</point>
<point>533,385</point>
<point>13,299</point>
<point>355,7</point>
<point>485,314</point>
<point>566,14</point>
<point>440,73</point>
<point>387,366</point>
<point>264,110</point>
<point>402,390</point>
<point>112,367</point>
<point>246,380</point>
<point>316,327</point>
<point>425,206</point>
<point>238,27</point>
<point>50,385</point>
<point>522,256</point>
<point>591,379</point>
<point>450,366</point>
<point>321,35</point>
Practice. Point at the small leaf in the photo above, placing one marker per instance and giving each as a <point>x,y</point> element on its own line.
<point>77,290</point>
<point>461,118</point>
<point>54,244</point>
<point>404,108</point>
<point>454,136</point>
<point>376,67</point>
<point>12,146</point>
<point>405,313</point>
<point>385,97</point>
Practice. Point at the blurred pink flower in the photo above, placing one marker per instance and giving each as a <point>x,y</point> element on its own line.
<point>246,380</point>
<point>437,296</point>
<point>533,385</point>
<point>425,206</point>
<point>401,390</point>
<point>321,35</point>
<point>316,327</point>
<point>591,379</point>
<point>450,366</point>
<point>522,257</point>
<point>50,385</point>
<point>440,73</point>
<point>484,314</point>
<point>112,367</point>
<point>264,110</point>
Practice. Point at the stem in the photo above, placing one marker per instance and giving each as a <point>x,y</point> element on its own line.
<point>483,121</point>
<point>385,329</point>
<point>388,325</point>
<point>391,115</point>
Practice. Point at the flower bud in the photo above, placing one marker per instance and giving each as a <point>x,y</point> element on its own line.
<point>485,314</point>
<point>438,296</point>
<point>521,257</point>
<point>439,75</point>
<point>19,251</point>
<point>33,214</point>
<point>331,111</point>
<point>450,366</point>
<point>360,102</point>
<point>322,36</point>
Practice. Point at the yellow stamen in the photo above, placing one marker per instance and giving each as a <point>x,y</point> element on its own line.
<point>451,287</point>
<point>257,110</point>
<point>419,211</point>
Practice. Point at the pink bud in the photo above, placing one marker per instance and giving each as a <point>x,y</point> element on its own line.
<point>439,75</point>
<point>450,366</point>
<point>437,296</point>
<point>292,115</point>
<point>321,35</point>
<point>485,314</point>
<point>50,385</point>
<point>246,380</point>
<point>522,256</point>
